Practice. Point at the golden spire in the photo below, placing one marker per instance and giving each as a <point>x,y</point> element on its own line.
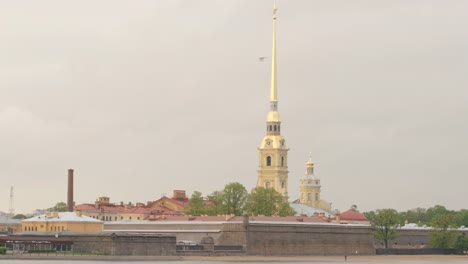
<point>273,92</point>
<point>310,163</point>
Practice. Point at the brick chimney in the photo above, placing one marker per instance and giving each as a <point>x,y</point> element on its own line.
<point>70,191</point>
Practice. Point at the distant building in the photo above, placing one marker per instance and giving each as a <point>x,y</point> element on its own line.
<point>106,211</point>
<point>9,225</point>
<point>62,221</point>
<point>352,216</point>
<point>310,189</point>
<point>177,203</point>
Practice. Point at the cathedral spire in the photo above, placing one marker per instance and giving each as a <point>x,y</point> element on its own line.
<point>273,91</point>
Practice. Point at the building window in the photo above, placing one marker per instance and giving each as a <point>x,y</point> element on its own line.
<point>282,161</point>
<point>270,128</point>
<point>115,218</point>
<point>267,185</point>
<point>121,218</point>
<point>282,184</point>
<point>275,127</point>
<point>309,196</point>
<point>316,197</point>
<point>138,218</point>
<point>268,161</point>
<point>129,218</point>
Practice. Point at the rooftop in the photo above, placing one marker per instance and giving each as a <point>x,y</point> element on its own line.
<point>62,217</point>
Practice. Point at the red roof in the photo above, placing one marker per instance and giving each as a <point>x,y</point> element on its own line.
<point>235,218</point>
<point>352,215</point>
<point>158,210</point>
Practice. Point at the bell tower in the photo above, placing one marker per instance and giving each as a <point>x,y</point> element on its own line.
<point>273,152</point>
<point>309,188</point>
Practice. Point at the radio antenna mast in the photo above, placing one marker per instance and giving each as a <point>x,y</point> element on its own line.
<point>11,209</point>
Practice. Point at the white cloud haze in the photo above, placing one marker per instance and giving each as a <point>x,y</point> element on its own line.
<point>143,97</point>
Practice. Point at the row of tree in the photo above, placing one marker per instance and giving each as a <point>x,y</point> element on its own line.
<point>423,216</point>
<point>443,222</point>
<point>234,199</point>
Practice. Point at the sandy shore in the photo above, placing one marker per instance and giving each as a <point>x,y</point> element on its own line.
<point>376,259</point>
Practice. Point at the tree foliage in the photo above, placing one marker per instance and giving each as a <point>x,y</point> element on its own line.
<point>442,220</point>
<point>195,204</point>
<point>268,202</point>
<point>385,224</point>
<point>215,203</point>
<point>59,207</point>
<point>20,216</point>
<point>234,198</point>
<point>442,237</point>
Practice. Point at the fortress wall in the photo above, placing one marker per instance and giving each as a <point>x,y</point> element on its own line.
<point>182,231</point>
<point>123,244</point>
<point>293,239</point>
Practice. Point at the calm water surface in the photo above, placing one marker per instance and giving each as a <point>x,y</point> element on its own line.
<point>7,261</point>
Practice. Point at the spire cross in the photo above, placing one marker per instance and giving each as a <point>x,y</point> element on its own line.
<point>273,92</point>
<point>274,9</point>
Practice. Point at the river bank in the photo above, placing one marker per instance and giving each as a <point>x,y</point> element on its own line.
<point>376,259</point>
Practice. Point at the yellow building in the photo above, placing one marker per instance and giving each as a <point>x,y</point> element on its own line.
<point>309,189</point>
<point>9,225</point>
<point>273,152</point>
<point>62,221</point>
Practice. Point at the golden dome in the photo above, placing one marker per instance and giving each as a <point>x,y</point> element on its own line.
<point>273,116</point>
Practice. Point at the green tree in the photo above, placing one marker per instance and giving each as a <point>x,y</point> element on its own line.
<point>461,245</point>
<point>59,207</point>
<point>461,218</point>
<point>215,200</point>
<point>442,236</point>
<point>19,216</point>
<point>385,224</point>
<point>268,202</point>
<point>284,209</point>
<point>370,215</point>
<point>3,250</point>
<point>234,198</point>
<point>196,204</point>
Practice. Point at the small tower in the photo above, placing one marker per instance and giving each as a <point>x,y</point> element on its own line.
<point>309,189</point>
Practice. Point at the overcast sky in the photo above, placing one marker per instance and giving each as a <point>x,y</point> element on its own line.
<point>144,97</point>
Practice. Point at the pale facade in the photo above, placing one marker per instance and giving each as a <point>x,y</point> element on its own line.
<point>310,189</point>
<point>60,222</point>
<point>273,152</point>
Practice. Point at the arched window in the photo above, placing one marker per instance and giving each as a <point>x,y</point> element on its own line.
<point>309,196</point>
<point>268,161</point>
<point>267,185</point>
<point>282,161</point>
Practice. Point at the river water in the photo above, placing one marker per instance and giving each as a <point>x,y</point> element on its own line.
<point>399,261</point>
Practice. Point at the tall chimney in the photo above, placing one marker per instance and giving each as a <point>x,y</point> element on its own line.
<point>70,191</point>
